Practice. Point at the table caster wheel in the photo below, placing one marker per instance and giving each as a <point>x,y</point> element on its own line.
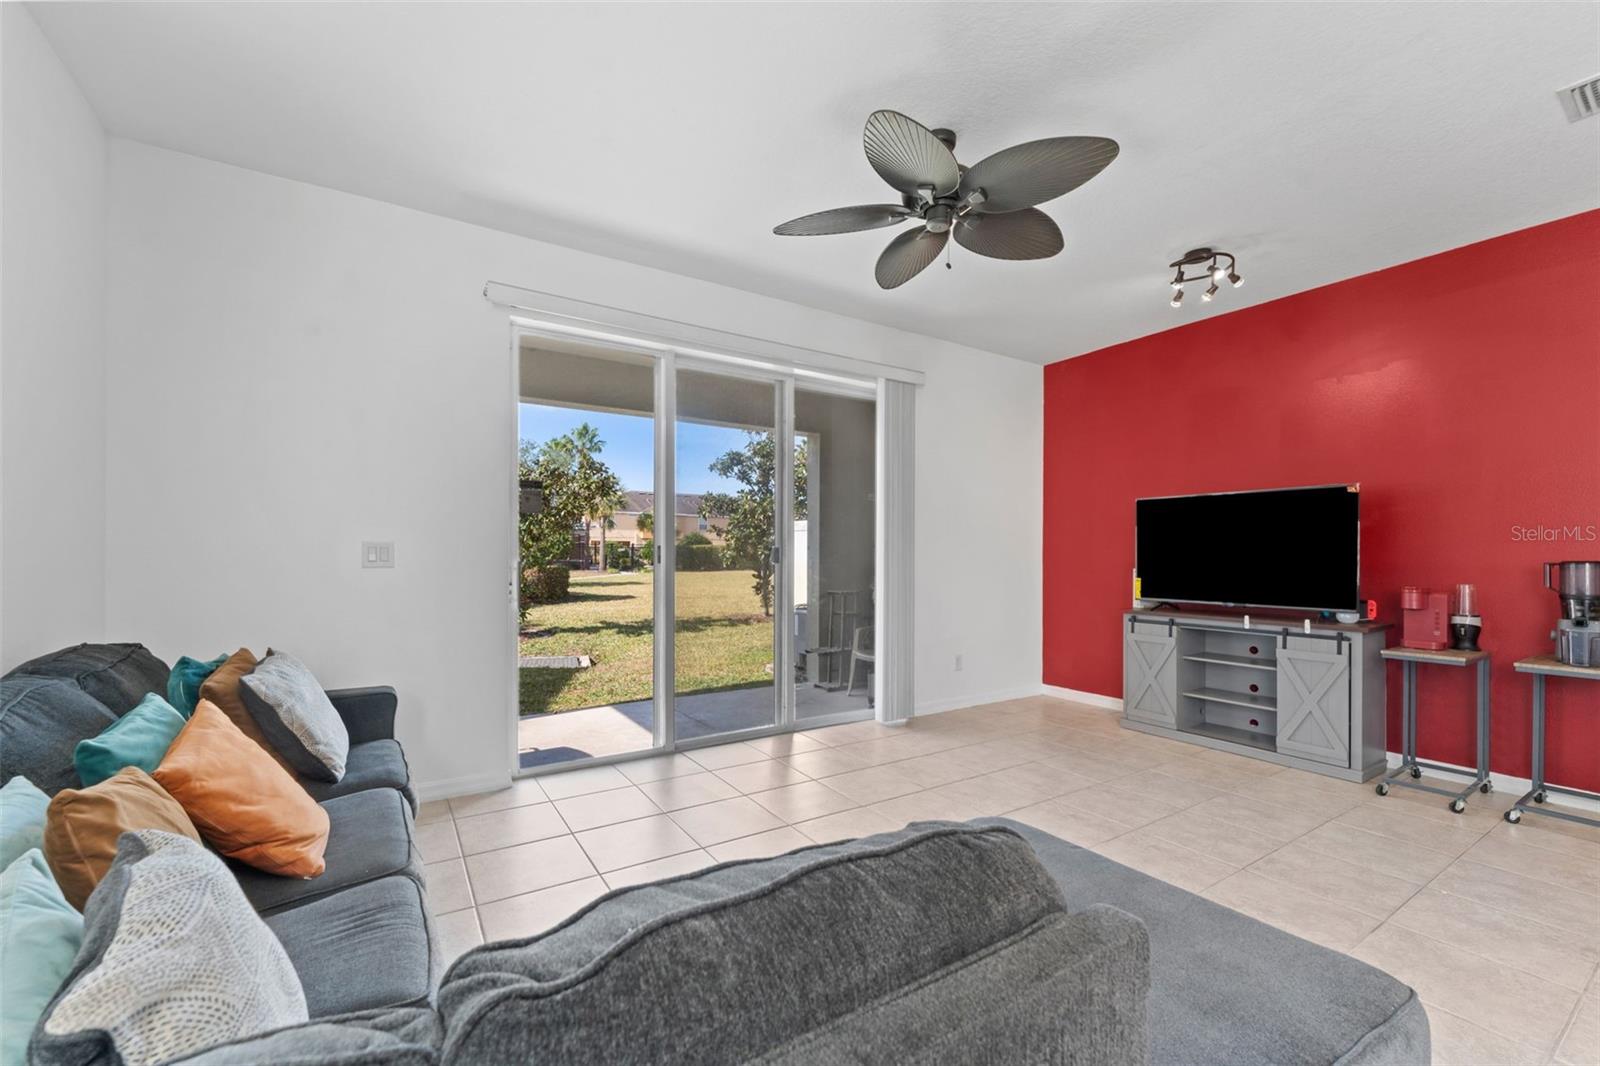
<point>1513,816</point>
<point>1416,772</point>
<point>1486,788</point>
<point>1383,789</point>
<point>1458,805</point>
<point>1540,797</point>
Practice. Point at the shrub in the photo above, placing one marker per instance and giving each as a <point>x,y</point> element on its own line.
<point>699,556</point>
<point>544,584</point>
<point>618,557</point>
<point>693,540</point>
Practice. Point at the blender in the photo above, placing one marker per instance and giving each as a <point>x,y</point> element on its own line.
<point>1577,632</point>
<point>1466,623</point>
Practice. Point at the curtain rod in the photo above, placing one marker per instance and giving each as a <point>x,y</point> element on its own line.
<point>680,335</point>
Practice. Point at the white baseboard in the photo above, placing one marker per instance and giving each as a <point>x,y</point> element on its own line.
<point>428,791</point>
<point>955,704</point>
<point>1511,786</point>
<point>1093,699</point>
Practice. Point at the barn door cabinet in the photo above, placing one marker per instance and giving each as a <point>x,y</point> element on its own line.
<point>1309,697</point>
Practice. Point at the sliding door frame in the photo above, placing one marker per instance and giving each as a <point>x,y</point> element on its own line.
<point>782,384</point>
<point>667,360</point>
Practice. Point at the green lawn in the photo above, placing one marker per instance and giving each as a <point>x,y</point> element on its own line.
<point>723,641</point>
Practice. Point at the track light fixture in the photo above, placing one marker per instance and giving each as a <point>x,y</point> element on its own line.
<point>1209,262</point>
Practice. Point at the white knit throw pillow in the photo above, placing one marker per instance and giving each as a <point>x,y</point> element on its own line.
<point>174,961</point>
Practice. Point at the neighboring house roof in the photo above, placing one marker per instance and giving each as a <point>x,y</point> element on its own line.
<point>688,503</point>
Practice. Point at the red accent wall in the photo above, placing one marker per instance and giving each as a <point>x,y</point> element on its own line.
<point>1462,391</point>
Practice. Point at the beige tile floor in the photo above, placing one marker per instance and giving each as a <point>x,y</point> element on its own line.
<point>1496,926</point>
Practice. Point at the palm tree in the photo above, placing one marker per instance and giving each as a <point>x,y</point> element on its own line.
<point>604,509</point>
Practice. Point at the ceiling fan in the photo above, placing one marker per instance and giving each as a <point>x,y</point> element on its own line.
<point>989,206</point>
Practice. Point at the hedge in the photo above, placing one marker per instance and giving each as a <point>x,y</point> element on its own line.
<point>699,557</point>
<point>544,584</point>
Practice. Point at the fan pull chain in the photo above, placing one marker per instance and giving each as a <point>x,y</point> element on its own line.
<point>947,256</point>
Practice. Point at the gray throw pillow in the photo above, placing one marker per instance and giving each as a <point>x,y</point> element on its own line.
<point>174,960</point>
<point>296,716</point>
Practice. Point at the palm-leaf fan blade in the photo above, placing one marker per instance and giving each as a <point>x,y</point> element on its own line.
<point>908,255</point>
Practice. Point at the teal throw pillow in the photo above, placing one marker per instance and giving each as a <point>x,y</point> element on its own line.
<point>22,808</point>
<point>40,934</point>
<point>183,686</point>
<point>139,738</point>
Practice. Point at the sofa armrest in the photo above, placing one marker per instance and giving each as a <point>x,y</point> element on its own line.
<point>1071,990</point>
<point>368,713</point>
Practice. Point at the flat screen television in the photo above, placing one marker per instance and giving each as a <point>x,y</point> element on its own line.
<point>1297,548</point>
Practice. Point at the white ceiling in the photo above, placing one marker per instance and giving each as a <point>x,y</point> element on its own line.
<point>1315,140</point>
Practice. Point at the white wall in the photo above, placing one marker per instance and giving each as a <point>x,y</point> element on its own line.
<point>52,344</point>
<point>296,370</point>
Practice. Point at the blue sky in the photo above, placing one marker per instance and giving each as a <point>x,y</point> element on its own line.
<point>630,445</point>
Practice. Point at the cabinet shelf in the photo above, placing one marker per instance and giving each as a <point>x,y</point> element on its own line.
<point>1236,699</point>
<point>1262,741</point>
<point>1248,662</point>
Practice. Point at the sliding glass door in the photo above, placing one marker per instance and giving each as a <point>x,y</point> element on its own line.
<point>729,588</point>
<point>714,525</point>
<point>835,586</point>
<point>586,592</point>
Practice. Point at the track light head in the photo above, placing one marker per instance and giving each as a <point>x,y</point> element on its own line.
<point>1211,265</point>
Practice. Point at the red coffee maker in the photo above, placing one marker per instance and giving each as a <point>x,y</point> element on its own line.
<point>1424,618</point>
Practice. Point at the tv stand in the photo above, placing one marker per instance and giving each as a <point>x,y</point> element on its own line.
<point>1299,693</point>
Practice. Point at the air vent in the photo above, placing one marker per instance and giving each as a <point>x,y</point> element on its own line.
<point>1581,100</point>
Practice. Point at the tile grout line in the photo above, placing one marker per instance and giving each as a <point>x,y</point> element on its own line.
<point>1571,1014</point>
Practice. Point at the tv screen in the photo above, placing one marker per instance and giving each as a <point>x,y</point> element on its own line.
<point>1297,548</point>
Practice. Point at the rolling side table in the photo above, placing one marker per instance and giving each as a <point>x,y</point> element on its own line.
<point>1541,667</point>
<point>1408,658</point>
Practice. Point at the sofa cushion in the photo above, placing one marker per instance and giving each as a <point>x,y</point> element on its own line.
<point>83,825</point>
<point>139,738</point>
<point>294,714</point>
<point>245,805</point>
<point>40,934</point>
<point>369,946</point>
<point>369,836</point>
<point>116,675</point>
<point>375,764</point>
<point>41,721</point>
<point>408,1036</point>
<point>1228,990</point>
<point>782,945</point>
<point>173,961</point>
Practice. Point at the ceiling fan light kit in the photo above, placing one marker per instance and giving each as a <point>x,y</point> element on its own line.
<point>1215,272</point>
<point>988,207</point>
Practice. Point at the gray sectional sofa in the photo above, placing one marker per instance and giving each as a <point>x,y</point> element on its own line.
<point>360,936</point>
<point>989,942</point>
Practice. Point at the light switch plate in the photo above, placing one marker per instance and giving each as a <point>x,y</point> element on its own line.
<point>377,554</point>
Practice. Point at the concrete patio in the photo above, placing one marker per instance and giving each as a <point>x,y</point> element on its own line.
<point>620,728</point>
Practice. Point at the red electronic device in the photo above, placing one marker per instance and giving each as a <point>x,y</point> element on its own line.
<point>1425,619</point>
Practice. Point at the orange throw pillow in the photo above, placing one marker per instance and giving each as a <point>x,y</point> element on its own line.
<point>222,689</point>
<point>82,825</point>
<point>244,804</point>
